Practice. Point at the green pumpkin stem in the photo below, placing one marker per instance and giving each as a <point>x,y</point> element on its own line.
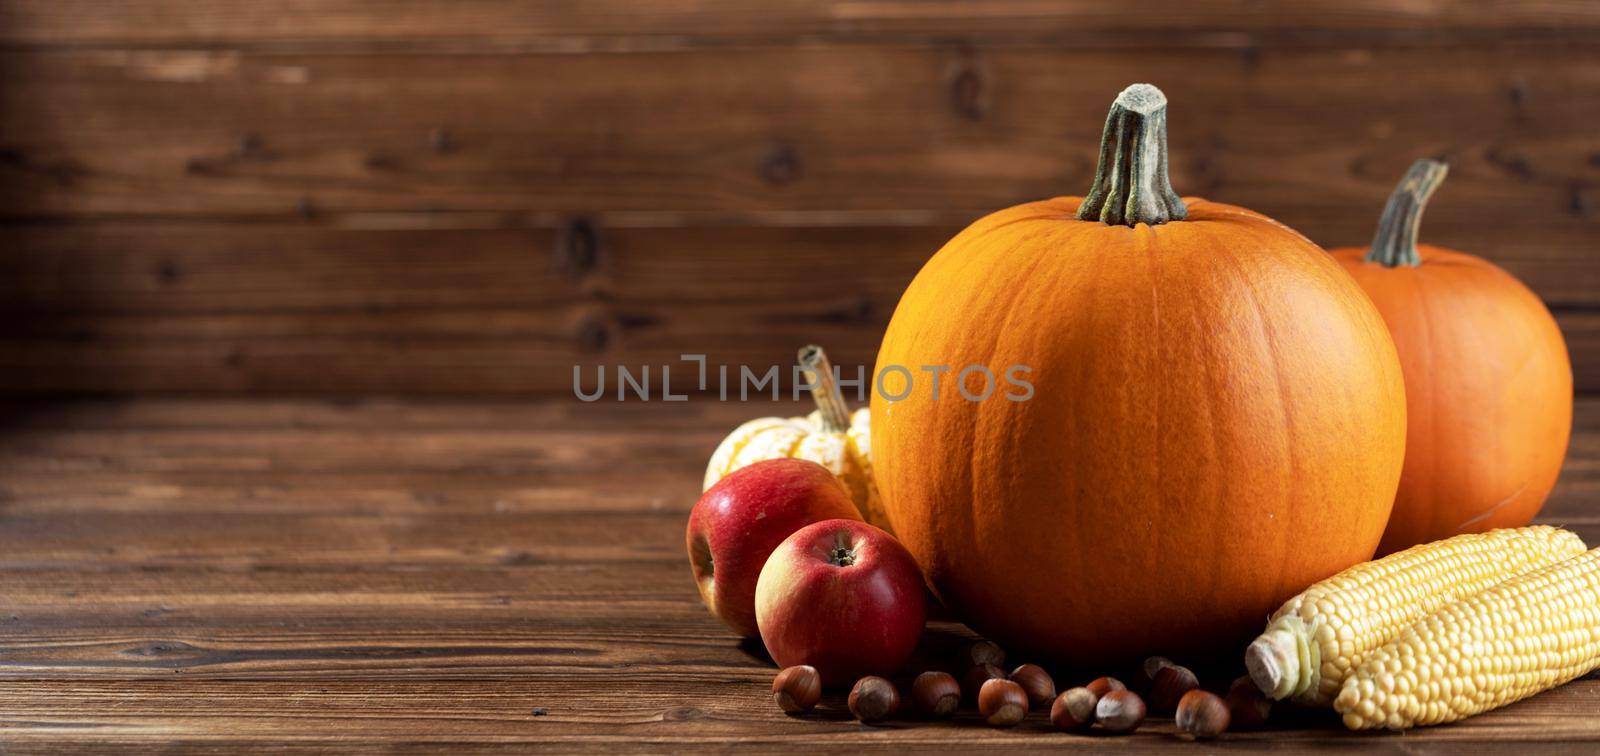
<point>1130,183</point>
<point>1396,241</point>
<point>825,390</point>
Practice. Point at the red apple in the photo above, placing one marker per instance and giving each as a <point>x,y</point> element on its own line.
<point>740,520</point>
<point>844,597</point>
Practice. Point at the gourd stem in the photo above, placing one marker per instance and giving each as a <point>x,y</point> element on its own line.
<point>1130,182</point>
<point>1396,241</point>
<point>825,389</point>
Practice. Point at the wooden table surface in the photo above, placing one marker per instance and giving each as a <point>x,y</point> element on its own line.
<point>484,576</point>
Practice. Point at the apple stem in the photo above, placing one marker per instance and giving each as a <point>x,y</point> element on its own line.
<point>825,389</point>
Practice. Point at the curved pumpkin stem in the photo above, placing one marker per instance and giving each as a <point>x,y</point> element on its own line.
<point>1130,183</point>
<point>1396,242</point>
<point>825,390</point>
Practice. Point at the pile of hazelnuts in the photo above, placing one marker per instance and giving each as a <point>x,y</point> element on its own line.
<point>1004,700</point>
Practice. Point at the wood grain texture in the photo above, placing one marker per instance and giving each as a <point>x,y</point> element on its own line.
<point>218,307</point>
<point>234,21</point>
<point>410,575</point>
<point>947,129</point>
<point>356,196</point>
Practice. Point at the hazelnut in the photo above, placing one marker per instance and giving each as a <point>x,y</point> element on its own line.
<point>797,689</point>
<point>1168,687</point>
<point>979,653</point>
<point>1153,665</point>
<point>975,677</point>
<point>1036,682</point>
<point>1074,709</point>
<point>873,698</point>
<point>936,694</point>
<point>1002,702</point>
<point>1120,711</point>
<point>1101,686</point>
<point>1248,709</point>
<point>1202,714</point>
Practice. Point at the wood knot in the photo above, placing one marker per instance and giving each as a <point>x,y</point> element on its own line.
<point>968,92</point>
<point>248,145</point>
<point>1249,57</point>
<point>199,166</point>
<point>380,161</point>
<point>781,165</point>
<point>1510,162</point>
<point>858,310</point>
<point>595,335</point>
<point>440,141</point>
<point>168,272</point>
<point>578,247</point>
<point>162,649</point>
<point>682,714</point>
<point>517,558</point>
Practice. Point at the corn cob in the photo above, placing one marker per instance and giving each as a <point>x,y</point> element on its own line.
<point>1318,638</point>
<point>1525,635</point>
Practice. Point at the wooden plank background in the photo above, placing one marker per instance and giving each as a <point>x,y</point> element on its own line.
<point>253,573</point>
<point>362,196</point>
<point>241,199</point>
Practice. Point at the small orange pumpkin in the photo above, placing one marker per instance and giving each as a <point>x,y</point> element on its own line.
<point>1217,418</point>
<point>1488,381</point>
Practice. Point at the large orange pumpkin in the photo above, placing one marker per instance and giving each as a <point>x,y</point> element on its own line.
<point>1488,383</point>
<point>1216,418</point>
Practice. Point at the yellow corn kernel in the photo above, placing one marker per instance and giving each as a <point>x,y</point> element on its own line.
<point>1479,652</point>
<point>1318,638</point>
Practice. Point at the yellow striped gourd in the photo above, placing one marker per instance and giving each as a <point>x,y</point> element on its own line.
<point>831,436</point>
